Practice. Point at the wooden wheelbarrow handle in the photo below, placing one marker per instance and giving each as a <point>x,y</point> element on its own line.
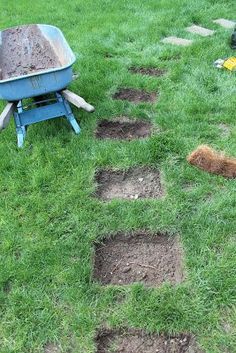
<point>6,115</point>
<point>78,101</point>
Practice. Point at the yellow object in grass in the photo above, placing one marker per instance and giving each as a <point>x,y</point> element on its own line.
<point>230,63</point>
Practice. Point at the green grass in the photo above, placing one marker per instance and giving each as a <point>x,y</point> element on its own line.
<point>49,218</point>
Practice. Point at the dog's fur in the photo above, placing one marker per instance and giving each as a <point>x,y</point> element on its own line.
<point>211,161</point>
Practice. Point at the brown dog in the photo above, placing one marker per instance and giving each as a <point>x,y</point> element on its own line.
<point>211,161</point>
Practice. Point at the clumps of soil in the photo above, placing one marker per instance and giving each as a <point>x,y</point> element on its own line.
<point>51,348</point>
<point>25,50</point>
<point>214,162</point>
<point>149,71</point>
<point>135,96</point>
<point>151,259</point>
<point>131,184</point>
<point>123,128</point>
<point>138,341</point>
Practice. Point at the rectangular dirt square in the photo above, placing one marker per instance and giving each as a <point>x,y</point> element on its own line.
<point>139,341</point>
<point>131,184</point>
<point>124,129</point>
<point>135,95</point>
<point>149,71</point>
<point>139,257</point>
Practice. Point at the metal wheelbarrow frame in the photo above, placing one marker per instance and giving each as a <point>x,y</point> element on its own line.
<point>53,80</point>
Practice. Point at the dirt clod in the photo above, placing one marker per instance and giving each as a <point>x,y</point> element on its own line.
<point>127,185</point>
<point>138,341</point>
<point>212,161</point>
<point>135,96</point>
<point>150,71</point>
<point>123,128</point>
<point>138,257</point>
<point>25,50</point>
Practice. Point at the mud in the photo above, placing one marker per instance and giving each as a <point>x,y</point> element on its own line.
<point>24,51</point>
<point>138,341</point>
<point>151,259</point>
<point>124,129</point>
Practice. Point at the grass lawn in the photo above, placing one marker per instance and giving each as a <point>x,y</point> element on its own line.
<point>49,217</point>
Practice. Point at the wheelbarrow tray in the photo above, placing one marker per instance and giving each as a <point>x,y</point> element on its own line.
<point>45,81</point>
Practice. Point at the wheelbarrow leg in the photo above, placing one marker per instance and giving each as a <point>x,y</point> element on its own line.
<point>73,122</point>
<point>69,115</point>
<point>20,129</point>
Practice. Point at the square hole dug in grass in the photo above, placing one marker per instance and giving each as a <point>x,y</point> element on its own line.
<point>149,71</point>
<point>139,257</point>
<point>130,184</point>
<point>138,341</point>
<point>123,128</point>
<point>135,96</point>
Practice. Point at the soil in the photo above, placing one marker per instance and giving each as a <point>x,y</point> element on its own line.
<point>24,51</point>
<point>135,95</point>
<point>151,71</point>
<point>139,257</point>
<point>138,341</point>
<point>129,184</point>
<point>123,128</point>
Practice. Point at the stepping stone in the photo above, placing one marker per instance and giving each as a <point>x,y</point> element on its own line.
<point>177,41</point>
<point>204,32</point>
<point>225,23</point>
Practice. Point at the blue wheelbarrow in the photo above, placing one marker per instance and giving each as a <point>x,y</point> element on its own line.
<point>36,62</point>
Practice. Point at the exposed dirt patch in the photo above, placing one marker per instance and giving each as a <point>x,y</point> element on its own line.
<point>150,71</point>
<point>139,257</point>
<point>25,50</point>
<point>135,95</point>
<point>123,128</point>
<point>129,184</point>
<point>137,341</point>
<point>51,348</point>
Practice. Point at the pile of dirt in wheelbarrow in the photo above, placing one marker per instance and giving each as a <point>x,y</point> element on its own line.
<point>24,50</point>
